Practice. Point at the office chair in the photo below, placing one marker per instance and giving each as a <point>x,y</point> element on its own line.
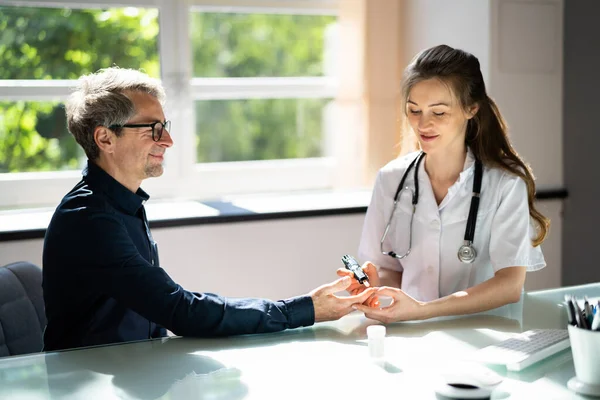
<point>22,317</point>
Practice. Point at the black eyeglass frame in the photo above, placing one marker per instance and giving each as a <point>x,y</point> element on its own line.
<point>165,125</point>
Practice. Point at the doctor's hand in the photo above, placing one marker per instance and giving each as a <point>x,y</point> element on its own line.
<point>330,307</point>
<point>356,287</point>
<point>402,308</point>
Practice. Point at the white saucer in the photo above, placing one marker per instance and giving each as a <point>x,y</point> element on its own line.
<point>583,388</point>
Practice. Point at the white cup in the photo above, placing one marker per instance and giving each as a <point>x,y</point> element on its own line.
<point>585,345</point>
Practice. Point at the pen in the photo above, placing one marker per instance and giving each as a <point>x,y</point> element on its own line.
<point>586,307</point>
<point>581,320</point>
<point>570,311</point>
<point>596,322</point>
<point>352,265</point>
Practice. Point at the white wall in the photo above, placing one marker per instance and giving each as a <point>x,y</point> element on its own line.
<point>267,258</point>
<point>526,71</point>
<point>463,24</point>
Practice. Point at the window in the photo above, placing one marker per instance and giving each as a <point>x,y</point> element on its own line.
<point>268,126</point>
<point>259,129</point>
<point>249,87</point>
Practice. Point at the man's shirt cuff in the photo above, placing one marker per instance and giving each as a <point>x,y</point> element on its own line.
<point>300,311</point>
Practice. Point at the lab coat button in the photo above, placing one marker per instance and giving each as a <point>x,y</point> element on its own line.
<point>435,223</point>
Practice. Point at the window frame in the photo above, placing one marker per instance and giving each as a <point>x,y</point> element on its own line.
<point>183,177</point>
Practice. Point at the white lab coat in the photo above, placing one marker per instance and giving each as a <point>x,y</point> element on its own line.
<point>432,270</point>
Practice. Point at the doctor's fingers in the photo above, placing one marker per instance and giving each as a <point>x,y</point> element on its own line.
<point>354,285</point>
<point>344,272</point>
<point>372,301</point>
<point>358,298</point>
<point>370,269</point>
<point>384,315</point>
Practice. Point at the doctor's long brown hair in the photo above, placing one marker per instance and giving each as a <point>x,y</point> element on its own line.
<point>487,133</point>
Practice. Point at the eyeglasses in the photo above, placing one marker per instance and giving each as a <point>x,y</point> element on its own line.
<point>157,128</point>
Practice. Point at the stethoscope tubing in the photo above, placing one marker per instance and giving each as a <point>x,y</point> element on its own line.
<point>466,252</point>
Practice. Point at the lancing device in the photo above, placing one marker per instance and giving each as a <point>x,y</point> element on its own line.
<point>352,265</point>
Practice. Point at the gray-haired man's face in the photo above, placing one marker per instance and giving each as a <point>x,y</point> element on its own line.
<point>137,155</point>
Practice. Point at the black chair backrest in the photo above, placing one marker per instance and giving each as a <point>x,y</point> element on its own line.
<point>22,317</point>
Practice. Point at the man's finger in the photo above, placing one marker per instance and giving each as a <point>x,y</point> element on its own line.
<point>361,308</point>
<point>337,285</point>
<point>361,297</point>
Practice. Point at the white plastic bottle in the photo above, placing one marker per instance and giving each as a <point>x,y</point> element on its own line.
<point>376,338</point>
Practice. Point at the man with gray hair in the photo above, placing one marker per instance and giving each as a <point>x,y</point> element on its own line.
<point>102,277</point>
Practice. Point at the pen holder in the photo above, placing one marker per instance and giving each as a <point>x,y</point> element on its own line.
<point>585,345</point>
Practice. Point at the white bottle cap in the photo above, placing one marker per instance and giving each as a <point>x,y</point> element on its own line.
<point>375,331</point>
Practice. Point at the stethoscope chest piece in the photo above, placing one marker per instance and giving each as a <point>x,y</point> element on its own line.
<point>467,253</point>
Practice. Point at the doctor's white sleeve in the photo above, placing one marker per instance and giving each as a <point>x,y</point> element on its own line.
<point>513,229</point>
<point>374,224</point>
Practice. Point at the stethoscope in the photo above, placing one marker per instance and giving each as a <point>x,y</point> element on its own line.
<point>466,252</point>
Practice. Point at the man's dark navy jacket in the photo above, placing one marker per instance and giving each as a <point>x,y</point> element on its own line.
<point>103,282</point>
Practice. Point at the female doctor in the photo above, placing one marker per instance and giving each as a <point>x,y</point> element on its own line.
<point>465,229</point>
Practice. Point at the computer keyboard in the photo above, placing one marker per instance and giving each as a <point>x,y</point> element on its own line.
<point>525,349</point>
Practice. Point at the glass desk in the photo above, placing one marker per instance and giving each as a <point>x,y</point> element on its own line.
<point>328,360</point>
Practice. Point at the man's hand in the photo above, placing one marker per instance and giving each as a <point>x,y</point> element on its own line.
<point>357,287</point>
<point>330,307</point>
